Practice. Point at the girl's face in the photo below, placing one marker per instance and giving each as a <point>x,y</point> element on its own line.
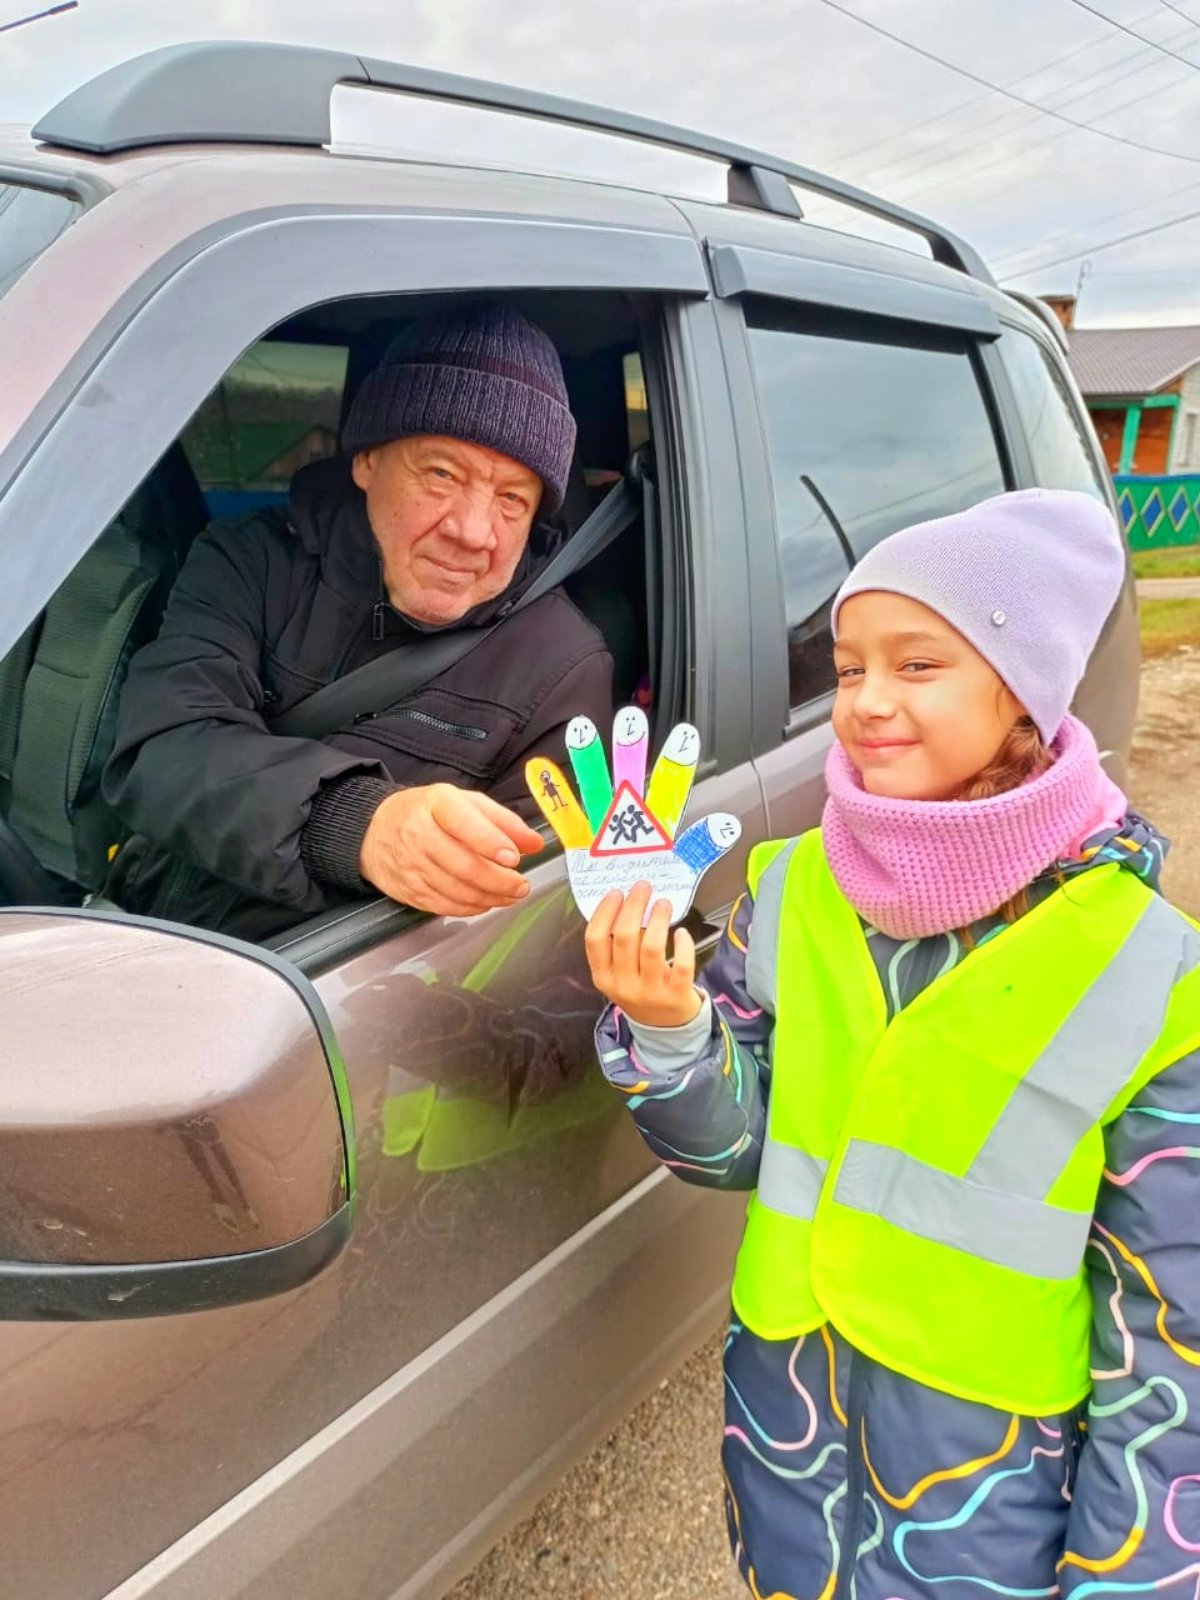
<point>918,710</point>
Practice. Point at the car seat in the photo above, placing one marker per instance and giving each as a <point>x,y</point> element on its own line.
<point>60,683</point>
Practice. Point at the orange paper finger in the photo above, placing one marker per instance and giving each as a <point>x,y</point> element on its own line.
<point>557,803</point>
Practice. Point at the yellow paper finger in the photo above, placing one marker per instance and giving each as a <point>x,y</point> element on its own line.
<point>674,771</point>
<point>557,803</point>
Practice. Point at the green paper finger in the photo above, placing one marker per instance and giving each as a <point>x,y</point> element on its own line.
<point>591,769</point>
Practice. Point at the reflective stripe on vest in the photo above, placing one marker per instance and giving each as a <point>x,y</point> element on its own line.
<point>789,1180</point>
<point>762,957</point>
<point>1093,1052</point>
<point>993,1225</point>
<point>977,1153</point>
<point>1031,1143</point>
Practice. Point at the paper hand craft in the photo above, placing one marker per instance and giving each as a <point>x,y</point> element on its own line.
<point>624,833</point>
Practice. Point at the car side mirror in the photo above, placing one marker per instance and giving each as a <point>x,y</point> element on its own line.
<point>175,1127</point>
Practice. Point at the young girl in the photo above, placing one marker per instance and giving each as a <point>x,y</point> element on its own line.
<point>951,1040</point>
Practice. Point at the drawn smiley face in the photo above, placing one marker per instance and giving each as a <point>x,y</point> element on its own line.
<point>630,727</point>
<point>682,745</point>
<point>581,733</point>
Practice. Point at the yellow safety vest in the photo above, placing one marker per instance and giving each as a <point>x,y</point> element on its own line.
<point>927,1185</point>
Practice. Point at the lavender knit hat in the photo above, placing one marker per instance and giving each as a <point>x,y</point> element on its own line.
<point>1027,578</point>
<point>486,375</point>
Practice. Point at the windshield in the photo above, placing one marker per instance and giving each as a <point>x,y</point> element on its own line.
<point>30,219</point>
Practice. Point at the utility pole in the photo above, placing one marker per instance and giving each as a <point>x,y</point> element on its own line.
<point>50,11</point>
<point>1085,272</point>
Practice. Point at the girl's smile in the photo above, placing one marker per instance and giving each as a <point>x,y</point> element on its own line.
<point>918,710</point>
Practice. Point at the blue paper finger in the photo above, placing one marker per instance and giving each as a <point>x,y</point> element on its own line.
<point>708,840</point>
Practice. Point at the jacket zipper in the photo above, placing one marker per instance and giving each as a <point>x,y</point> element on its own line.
<point>457,730</point>
<point>855,1476</point>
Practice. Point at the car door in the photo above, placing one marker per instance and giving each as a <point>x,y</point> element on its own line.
<point>518,1272</point>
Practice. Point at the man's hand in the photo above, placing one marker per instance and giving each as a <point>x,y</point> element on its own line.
<point>446,850</point>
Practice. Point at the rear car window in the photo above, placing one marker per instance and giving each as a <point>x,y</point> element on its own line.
<point>1054,424</point>
<point>30,220</point>
<point>866,432</point>
<point>276,409</point>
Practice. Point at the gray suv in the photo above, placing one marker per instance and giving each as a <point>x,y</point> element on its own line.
<point>320,1261</point>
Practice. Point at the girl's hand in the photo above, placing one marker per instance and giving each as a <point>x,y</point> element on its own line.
<point>630,965</point>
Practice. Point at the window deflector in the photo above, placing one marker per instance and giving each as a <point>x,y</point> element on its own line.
<point>740,270</point>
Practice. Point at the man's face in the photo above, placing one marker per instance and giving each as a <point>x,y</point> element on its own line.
<point>451,520</point>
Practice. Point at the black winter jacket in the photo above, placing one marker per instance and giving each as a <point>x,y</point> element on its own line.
<point>247,831</point>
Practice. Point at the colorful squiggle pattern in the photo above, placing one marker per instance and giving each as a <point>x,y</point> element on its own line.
<point>908,1494</point>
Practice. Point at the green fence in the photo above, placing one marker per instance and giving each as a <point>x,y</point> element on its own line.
<point>1159,511</point>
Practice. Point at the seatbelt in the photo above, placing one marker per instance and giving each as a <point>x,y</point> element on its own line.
<point>388,679</point>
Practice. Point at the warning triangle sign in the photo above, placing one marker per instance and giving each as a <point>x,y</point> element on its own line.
<point>630,828</point>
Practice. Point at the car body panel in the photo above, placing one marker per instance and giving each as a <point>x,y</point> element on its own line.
<point>519,1273</point>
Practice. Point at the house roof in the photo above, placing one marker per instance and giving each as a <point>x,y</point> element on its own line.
<point>1131,361</point>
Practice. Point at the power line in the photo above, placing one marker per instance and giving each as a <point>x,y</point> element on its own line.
<point>1179,12</point>
<point>1150,272</point>
<point>1113,23</point>
<point>1109,244</point>
<point>976,100</point>
<point>1034,105</point>
<point>922,188</point>
<point>37,16</point>
<point>1006,261</point>
<point>980,134</point>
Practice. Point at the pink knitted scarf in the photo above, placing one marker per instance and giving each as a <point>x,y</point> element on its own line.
<point>917,867</point>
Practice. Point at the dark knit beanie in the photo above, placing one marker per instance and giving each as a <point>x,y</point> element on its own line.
<point>485,374</point>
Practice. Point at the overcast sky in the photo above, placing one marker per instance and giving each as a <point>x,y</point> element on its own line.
<point>801,78</point>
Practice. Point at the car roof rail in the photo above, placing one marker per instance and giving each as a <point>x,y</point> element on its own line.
<point>234,91</point>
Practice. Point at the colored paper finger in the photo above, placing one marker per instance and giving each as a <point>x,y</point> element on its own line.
<point>674,772</point>
<point>591,769</point>
<point>631,740</point>
<point>708,840</point>
<point>558,804</point>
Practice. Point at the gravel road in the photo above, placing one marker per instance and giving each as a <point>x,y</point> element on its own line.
<point>1168,588</point>
<point>641,1516</point>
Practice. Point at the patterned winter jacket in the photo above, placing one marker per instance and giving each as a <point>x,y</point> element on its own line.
<point>847,1481</point>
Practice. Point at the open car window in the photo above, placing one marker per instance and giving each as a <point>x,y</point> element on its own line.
<point>275,411</point>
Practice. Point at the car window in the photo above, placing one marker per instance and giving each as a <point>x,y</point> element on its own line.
<point>276,409</point>
<point>30,220</point>
<point>866,432</point>
<point>1057,434</point>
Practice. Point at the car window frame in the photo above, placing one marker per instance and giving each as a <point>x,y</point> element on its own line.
<point>223,299</point>
<point>100,415</point>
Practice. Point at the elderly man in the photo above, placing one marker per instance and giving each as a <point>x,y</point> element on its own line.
<point>457,448</point>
